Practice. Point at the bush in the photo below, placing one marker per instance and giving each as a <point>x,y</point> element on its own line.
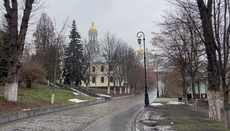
<point>31,72</point>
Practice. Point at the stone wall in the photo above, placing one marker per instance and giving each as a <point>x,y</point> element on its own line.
<point>34,112</point>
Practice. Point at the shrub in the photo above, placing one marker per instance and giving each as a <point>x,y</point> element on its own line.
<point>31,72</point>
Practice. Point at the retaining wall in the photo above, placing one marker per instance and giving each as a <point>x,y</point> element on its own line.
<point>34,112</point>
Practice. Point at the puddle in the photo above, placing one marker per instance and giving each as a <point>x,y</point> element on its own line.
<point>151,121</point>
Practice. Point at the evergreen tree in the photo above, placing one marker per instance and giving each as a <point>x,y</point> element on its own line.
<point>4,53</point>
<point>74,58</point>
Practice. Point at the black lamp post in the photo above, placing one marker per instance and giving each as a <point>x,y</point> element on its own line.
<point>139,35</point>
<point>157,84</point>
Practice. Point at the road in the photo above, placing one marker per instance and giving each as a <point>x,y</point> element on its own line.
<point>121,120</point>
<point>116,115</point>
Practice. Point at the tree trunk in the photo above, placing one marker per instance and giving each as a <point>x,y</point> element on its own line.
<point>17,41</point>
<point>193,95</point>
<point>108,90</point>
<point>114,90</point>
<point>214,107</point>
<point>185,97</point>
<point>11,85</point>
<point>184,89</point>
<point>11,91</point>
<point>226,104</point>
<point>227,119</point>
<point>205,9</point>
<point>28,84</point>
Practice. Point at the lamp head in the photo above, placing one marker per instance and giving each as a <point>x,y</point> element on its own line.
<point>139,41</point>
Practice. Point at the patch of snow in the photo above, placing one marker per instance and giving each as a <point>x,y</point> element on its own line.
<point>156,104</point>
<point>75,93</point>
<point>25,109</point>
<point>78,92</point>
<point>175,103</point>
<point>103,95</point>
<point>98,98</point>
<point>164,128</point>
<point>77,100</point>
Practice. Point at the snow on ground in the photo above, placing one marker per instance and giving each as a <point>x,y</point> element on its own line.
<point>156,104</point>
<point>75,93</point>
<point>78,92</point>
<point>175,102</point>
<point>77,100</point>
<point>26,109</point>
<point>97,98</point>
<point>103,95</point>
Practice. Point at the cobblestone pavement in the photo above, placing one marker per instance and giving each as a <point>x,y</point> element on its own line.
<point>75,119</point>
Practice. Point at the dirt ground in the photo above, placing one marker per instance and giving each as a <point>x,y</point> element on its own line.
<point>177,118</point>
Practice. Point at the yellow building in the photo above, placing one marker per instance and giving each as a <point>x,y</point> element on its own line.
<point>99,67</point>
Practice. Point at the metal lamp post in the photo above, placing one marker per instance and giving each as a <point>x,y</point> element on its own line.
<point>139,35</point>
<point>55,73</point>
<point>157,85</point>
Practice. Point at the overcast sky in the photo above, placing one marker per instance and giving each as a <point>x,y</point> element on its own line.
<point>124,18</point>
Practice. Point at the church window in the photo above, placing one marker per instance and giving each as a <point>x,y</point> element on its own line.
<point>93,69</point>
<point>93,80</point>
<point>102,68</point>
<point>111,79</point>
<point>102,79</point>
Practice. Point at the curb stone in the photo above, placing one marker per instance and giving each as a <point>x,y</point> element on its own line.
<point>121,97</point>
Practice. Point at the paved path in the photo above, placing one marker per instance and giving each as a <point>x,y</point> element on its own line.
<point>80,118</point>
<point>122,119</point>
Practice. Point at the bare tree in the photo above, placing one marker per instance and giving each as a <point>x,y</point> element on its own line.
<point>49,43</point>
<point>45,44</point>
<point>174,54</point>
<point>90,53</point>
<point>109,47</point>
<point>31,72</point>
<point>185,50</point>
<point>17,41</point>
<point>193,50</point>
<point>214,33</point>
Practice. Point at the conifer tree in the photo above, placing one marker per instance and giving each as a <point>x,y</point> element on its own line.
<point>4,53</point>
<point>73,58</point>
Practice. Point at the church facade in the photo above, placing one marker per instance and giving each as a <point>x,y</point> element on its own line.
<point>98,66</point>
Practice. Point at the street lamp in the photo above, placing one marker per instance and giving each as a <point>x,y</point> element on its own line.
<point>139,35</point>
<point>55,73</point>
<point>157,84</point>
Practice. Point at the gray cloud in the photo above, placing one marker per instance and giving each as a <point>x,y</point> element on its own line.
<point>124,18</point>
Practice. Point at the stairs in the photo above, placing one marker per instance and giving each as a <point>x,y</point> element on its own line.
<point>78,90</point>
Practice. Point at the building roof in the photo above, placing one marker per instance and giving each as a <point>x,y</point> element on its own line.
<point>98,59</point>
<point>92,28</point>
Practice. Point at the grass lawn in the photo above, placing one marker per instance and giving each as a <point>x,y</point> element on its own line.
<point>37,97</point>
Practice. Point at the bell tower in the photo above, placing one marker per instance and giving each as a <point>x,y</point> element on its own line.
<point>93,35</point>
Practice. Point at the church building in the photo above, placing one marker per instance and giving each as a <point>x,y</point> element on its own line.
<point>99,67</point>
